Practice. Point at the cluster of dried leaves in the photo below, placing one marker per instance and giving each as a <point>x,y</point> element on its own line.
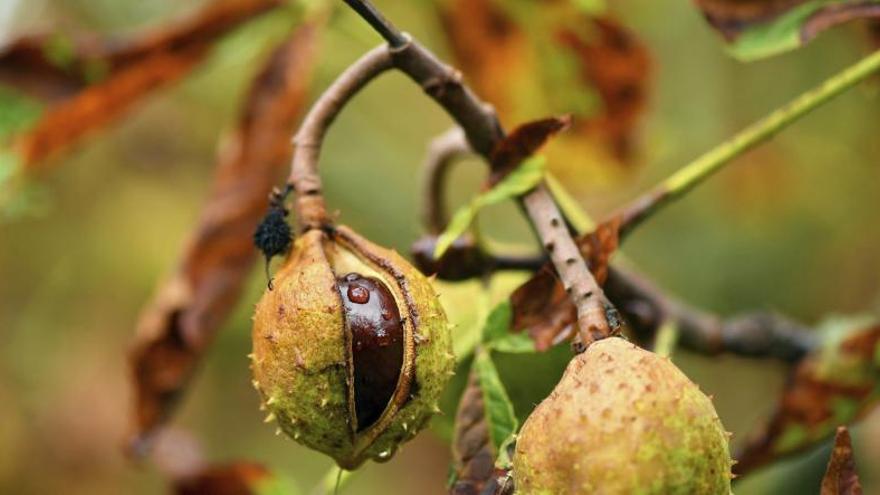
<point>95,81</point>
<point>602,74</point>
<point>89,82</point>
<point>188,309</point>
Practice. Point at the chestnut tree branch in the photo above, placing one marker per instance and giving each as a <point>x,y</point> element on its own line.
<point>483,131</point>
<point>692,174</point>
<point>755,335</point>
<point>645,306</point>
<point>310,208</point>
<point>442,153</point>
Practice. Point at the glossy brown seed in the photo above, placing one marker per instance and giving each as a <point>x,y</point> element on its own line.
<point>372,317</point>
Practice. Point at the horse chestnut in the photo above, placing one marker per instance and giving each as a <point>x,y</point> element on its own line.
<point>351,347</point>
<point>622,420</point>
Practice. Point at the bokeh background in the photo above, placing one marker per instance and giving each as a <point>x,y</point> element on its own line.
<point>792,226</point>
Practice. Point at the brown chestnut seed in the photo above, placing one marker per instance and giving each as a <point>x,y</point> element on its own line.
<point>377,344</point>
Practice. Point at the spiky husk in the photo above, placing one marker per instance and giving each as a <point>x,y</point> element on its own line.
<point>301,361</point>
<point>623,420</point>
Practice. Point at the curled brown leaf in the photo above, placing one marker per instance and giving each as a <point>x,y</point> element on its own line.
<point>521,143</point>
<point>98,80</point>
<point>176,327</point>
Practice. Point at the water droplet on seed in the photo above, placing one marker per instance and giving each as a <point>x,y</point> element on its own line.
<point>358,294</point>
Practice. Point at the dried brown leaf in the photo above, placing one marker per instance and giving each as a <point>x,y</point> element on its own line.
<point>503,54</point>
<point>239,478</point>
<point>541,305</point>
<point>522,143</point>
<point>472,455</point>
<point>841,477</point>
<point>180,322</point>
<point>127,72</point>
<point>834,385</point>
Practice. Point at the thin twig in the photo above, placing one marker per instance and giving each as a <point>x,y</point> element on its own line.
<point>375,18</point>
<point>310,209</point>
<point>755,335</point>
<point>442,153</point>
<point>692,174</point>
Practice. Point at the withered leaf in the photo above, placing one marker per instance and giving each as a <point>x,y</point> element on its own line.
<point>100,79</point>
<point>541,305</point>
<point>760,28</point>
<point>473,455</point>
<point>529,58</point>
<point>240,478</point>
<point>180,322</point>
<point>841,477</point>
<point>522,143</point>
<point>833,385</point>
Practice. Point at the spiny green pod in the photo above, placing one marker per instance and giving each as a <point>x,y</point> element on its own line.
<point>622,420</point>
<point>351,348</point>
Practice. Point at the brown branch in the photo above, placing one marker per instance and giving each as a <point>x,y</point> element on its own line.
<point>481,126</point>
<point>442,153</point>
<point>755,335</point>
<point>483,132</point>
<point>645,306</point>
<point>310,208</point>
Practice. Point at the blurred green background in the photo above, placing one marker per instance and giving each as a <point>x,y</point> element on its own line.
<point>792,226</point>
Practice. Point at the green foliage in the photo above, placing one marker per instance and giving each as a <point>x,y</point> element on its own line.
<point>782,34</point>
<point>18,112</point>
<point>499,416</point>
<point>520,181</point>
<point>498,334</point>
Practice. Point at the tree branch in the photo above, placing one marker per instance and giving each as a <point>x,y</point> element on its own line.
<point>692,174</point>
<point>483,132</point>
<point>442,153</point>
<point>310,208</point>
<point>644,305</point>
<point>755,335</point>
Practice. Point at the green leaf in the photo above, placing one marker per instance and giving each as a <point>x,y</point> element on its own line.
<point>19,112</point>
<point>497,324</point>
<point>783,33</point>
<point>277,485</point>
<point>514,343</point>
<point>499,416</point>
<point>497,332</point>
<point>520,181</point>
